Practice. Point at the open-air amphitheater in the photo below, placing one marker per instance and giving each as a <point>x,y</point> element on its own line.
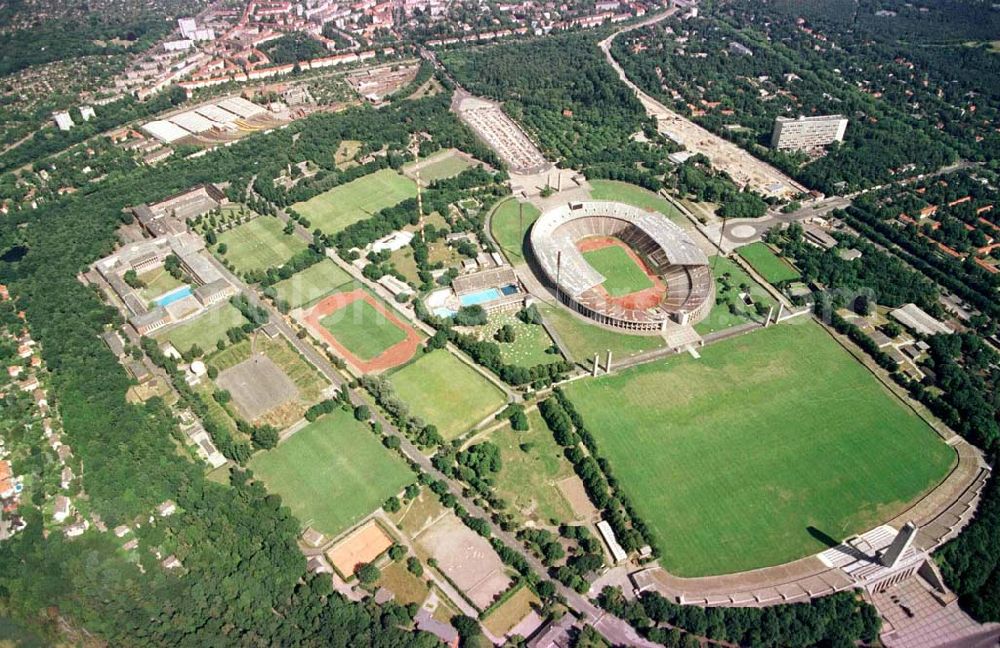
<point>684,293</point>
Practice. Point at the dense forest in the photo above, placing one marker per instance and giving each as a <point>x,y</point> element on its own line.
<point>912,107</point>
<point>562,91</point>
<point>244,579</point>
<point>293,48</point>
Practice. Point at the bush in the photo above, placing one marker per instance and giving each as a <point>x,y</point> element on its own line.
<point>367,573</point>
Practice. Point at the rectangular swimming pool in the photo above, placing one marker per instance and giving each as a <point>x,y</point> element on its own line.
<point>173,296</point>
<point>480,297</point>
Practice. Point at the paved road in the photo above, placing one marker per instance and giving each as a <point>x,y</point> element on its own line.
<point>739,232</point>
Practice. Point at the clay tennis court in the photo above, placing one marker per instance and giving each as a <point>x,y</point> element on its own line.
<point>363,545</point>
<point>393,356</point>
<point>640,300</point>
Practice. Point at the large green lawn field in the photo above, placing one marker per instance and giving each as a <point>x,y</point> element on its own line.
<point>316,281</point>
<point>441,165</point>
<point>773,268</point>
<point>745,457</point>
<point>446,392</point>
<point>259,244</point>
<point>506,226</point>
<point>622,275</point>
<point>333,210</point>
<point>332,472</point>
<point>633,195</point>
<point>205,330</point>
<point>365,332</point>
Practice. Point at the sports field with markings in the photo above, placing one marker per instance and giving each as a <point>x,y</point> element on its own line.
<point>745,457</point>
<point>332,472</point>
<point>333,210</point>
<point>259,244</point>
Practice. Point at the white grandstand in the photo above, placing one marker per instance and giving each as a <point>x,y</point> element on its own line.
<point>663,246</point>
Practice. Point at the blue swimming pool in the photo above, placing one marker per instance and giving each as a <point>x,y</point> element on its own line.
<point>444,312</point>
<point>174,295</point>
<point>509,289</point>
<point>480,297</point>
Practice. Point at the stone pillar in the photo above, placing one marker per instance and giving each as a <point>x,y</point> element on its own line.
<point>597,364</point>
<point>607,366</point>
<point>770,313</point>
<point>890,557</point>
<point>781,309</point>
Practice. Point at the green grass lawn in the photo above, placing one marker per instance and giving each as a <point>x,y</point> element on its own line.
<point>505,225</point>
<point>446,392</point>
<point>158,282</point>
<point>528,479</point>
<point>583,340</point>
<point>260,244</point>
<point>333,210</point>
<point>773,268</point>
<point>309,285</point>
<point>332,472</point>
<point>205,330</point>
<point>733,458</point>
<point>445,164</point>
<point>633,195</point>
<point>728,279</point>
<point>622,276</point>
<point>530,341</point>
<point>365,332</point>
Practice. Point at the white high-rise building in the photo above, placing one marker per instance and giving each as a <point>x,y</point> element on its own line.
<point>807,132</point>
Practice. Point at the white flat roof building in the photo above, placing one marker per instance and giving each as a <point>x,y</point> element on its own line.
<point>241,107</point>
<point>63,120</point>
<point>165,131</point>
<point>217,114</point>
<point>916,319</point>
<point>192,121</point>
<point>187,27</point>
<point>807,132</point>
<point>617,553</point>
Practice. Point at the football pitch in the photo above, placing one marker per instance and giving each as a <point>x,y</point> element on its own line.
<point>622,275</point>
<point>333,210</point>
<point>773,268</point>
<point>748,456</point>
<point>364,331</point>
<point>318,280</point>
<point>259,244</point>
<point>446,392</point>
<point>332,472</point>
